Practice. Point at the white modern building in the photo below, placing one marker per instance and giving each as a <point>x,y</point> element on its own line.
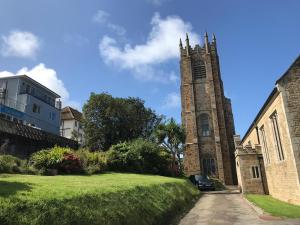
<point>24,100</point>
<point>71,124</point>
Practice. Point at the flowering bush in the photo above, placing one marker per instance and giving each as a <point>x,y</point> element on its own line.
<point>64,160</point>
<point>70,163</point>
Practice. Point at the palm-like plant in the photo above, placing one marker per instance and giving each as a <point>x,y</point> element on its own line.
<point>172,137</point>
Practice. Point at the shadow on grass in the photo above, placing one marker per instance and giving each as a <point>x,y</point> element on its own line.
<point>8,188</point>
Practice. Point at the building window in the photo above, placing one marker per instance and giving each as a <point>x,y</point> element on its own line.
<point>199,70</point>
<point>276,135</point>
<point>204,123</point>
<point>255,172</point>
<point>53,116</point>
<point>27,89</point>
<point>265,145</point>
<point>209,167</point>
<point>75,123</point>
<point>36,108</point>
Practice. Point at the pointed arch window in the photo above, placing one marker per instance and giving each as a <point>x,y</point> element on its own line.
<point>204,124</point>
<point>199,69</point>
<point>209,167</point>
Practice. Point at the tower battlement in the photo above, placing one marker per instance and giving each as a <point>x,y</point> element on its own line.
<point>207,47</point>
<point>206,113</point>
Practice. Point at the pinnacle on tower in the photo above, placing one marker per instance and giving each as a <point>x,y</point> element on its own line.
<point>187,45</point>
<point>180,43</point>
<point>214,38</point>
<point>206,42</point>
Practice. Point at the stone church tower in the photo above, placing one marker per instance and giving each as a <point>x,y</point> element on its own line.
<point>206,114</point>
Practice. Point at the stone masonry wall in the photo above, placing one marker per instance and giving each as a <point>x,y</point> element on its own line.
<point>246,158</point>
<point>282,175</point>
<point>205,96</point>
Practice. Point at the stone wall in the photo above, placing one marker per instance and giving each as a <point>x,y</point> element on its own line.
<point>204,94</point>
<point>246,158</point>
<point>282,175</point>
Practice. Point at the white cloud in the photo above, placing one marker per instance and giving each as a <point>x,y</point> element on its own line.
<point>172,100</point>
<point>102,18</point>
<point>160,47</point>
<point>20,44</point>
<point>47,77</point>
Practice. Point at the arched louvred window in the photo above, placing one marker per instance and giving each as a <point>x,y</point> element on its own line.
<point>199,69</point>
<point>209,167</point>
<point>204,124</point>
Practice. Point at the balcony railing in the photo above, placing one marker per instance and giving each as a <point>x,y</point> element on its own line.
<point>12,103</point>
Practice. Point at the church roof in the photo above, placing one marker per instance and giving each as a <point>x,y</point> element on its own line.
<point>273,94</point>
<point>297,60</point>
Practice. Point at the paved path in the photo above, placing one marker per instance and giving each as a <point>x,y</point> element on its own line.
<point>228,209</point>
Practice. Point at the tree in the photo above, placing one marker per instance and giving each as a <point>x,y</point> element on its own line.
<point>171,136</point>
<point>139,156</point>
<point>109,120</point>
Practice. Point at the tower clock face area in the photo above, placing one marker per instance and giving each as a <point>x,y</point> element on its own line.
<point>204,113</point>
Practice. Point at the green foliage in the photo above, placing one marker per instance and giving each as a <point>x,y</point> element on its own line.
<point>64,160</point>
<point>49,158</point>
<point>172,137</point>
<point>275,206</point>
<point>92,162</point>
<point>110,120</point>
<point>11,164</point>
<point>106,199</point>
<point>140,156</point>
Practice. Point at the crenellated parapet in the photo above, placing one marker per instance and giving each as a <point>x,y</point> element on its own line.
<point>207,48</point>
<point>248,149</point>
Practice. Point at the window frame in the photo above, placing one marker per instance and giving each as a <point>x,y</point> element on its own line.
<point>209,166</point>
<point>204,125</point>
<point>199,69</point>
<point>255,172</point>
<point>265,147</point>
<point>277,136</point>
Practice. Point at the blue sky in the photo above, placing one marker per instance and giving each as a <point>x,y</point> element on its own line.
<point>130,48</point>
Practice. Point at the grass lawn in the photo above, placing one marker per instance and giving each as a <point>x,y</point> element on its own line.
<point>274,206</point>
<point>110,199</point>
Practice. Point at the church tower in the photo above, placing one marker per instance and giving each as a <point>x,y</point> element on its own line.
<point>206,113</point>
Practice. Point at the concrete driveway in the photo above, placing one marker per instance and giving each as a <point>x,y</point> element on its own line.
<point>229,209</point>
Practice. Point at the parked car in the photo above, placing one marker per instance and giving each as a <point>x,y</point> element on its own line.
<point>203,182</point>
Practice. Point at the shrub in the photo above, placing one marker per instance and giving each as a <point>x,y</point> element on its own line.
<point>48,158</point>
<point>70,163</point>
<point>64,160</point>
<point>92,162</point>
<point>56,159</point>
<point>140,156</point>
<point>11,164</point>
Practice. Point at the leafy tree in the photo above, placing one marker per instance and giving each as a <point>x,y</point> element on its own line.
<point>172,137</point>
<point>109,120</point>
<point>75,135</point>
<point>139,156</point>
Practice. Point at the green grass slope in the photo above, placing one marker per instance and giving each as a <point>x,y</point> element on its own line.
<point>106,199</point>
<point>274,206</point>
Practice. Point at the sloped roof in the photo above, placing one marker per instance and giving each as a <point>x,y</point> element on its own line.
<point>297,61</point>
<point>270,98</point>
<point>30,133</point>
<point>68,113</point>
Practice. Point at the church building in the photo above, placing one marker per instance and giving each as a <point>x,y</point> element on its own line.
<point>206,113</point>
